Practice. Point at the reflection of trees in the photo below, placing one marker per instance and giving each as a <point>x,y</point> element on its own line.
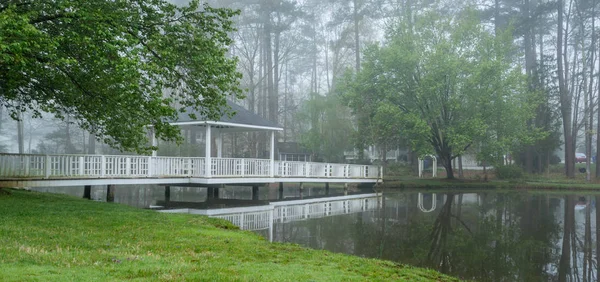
<point>500,237</point>
<point>438,254</point>
<point>587,246</point>
<point>507,240</point>
<point>597,236</point>
<point>564,266</point>
<point>576,261</point>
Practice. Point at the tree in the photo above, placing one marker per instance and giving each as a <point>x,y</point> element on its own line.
<point>116,67</point>
<point>451,80</point>
<point>327,137</point>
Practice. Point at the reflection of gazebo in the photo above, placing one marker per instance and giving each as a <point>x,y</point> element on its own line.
<point>241,121</point>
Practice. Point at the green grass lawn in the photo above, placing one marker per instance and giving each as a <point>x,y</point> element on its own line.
<point>49,237</point>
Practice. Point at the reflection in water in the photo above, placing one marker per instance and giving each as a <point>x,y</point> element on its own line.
<point>477,236</point>
<point>145,196</point>
<point>484,237</point>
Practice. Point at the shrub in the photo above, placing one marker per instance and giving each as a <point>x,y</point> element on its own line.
<point>508,172</point>
<point>397,169</point>
<point>554,159</point>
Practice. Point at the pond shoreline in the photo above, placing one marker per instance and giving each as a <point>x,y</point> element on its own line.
<point>429,184</point>
<point>55,237</point>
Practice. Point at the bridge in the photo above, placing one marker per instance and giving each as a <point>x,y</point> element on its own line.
<point>30,170</point>
<point>37,170</point>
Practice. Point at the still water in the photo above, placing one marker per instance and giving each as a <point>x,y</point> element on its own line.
<point>484,236</point>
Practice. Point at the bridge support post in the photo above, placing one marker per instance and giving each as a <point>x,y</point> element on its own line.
<point>301,190</point>
<point>167,194</point>
<point>212,192</point>
<point>255,192</point>
<point>87,192</point>
<point>110,193</point>
<point>280,191</point>
<point>345,189</point>
<point>326,188</point>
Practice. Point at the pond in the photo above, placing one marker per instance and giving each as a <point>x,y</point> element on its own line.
<point>483,236</point>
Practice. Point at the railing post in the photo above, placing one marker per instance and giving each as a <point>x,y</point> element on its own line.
<point>328,170</point>
<point>150,166</point>
<point>102,166</point>
<point>271,219</point>
<point>306,211</point>
<point>128,166</point>
<point>243,167</point>
<point>81,165</point>
<point>48,167</point>
<point>27,161</point>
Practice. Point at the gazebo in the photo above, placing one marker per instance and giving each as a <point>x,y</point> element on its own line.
<point>242,120</point>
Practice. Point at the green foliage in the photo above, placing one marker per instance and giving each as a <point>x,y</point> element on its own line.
<point>55,238</point>
<point>116,67</point>
<point>329,127</point>
<point>451,85</point>
<point>394,170</point>
<point>508,172</point>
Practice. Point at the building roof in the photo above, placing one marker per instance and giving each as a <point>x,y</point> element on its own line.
<point>241,118</point>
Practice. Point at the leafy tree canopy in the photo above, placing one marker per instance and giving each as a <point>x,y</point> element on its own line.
<point>116,67</point>
<point>329,127</point>
<point>452,84</point>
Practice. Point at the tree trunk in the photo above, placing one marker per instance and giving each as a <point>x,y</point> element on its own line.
<point>447,162</point>
<point>565,99</point>
<point>20,135</point>
<point>274,94</point>
<point>460,169</point>
<point>356,35</point>
<point>496,17</point>
<point>69,148</point>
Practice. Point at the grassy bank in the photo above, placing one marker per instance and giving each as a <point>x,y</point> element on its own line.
<point>48,237</point>
<point>440,183</point>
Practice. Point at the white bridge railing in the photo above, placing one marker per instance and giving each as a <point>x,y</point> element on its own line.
<point>115,166</point>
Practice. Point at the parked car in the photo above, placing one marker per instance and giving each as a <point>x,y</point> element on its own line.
<point>580,158</point>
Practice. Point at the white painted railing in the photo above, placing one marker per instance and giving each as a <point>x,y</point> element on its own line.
<point>230,167</point>
<point>311,169</point>
<point>113,166</point>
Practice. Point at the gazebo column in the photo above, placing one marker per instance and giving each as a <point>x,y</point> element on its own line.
<point>219,144</point>
<point>272,153</point>
<point>154,141</point>
<point>207,158</point>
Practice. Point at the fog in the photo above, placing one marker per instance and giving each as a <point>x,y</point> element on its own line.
<point>299,58</point>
